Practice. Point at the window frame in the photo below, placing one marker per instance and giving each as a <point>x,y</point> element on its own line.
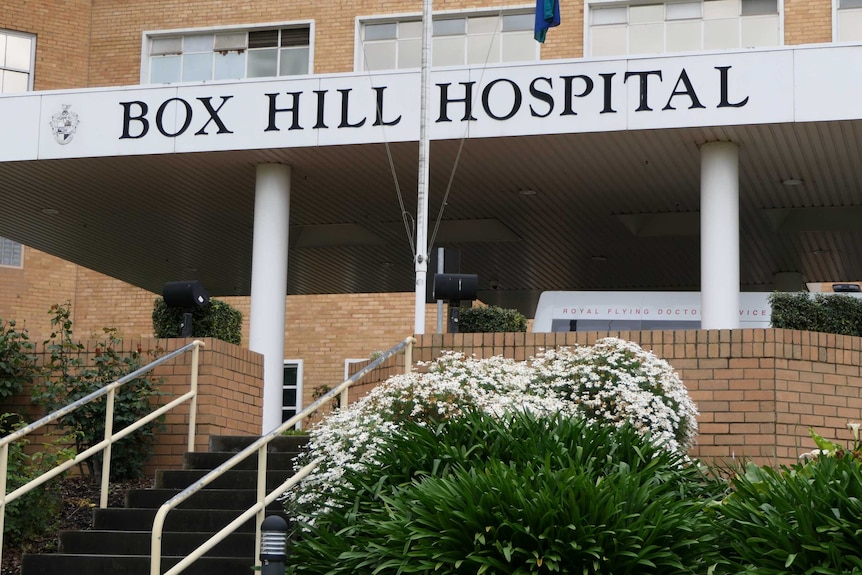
<point>13,266</point>
<point>299,388</point>
<point>588,40</point>
<point>836,28</point>
<point>31,71</point>
<point>148,35</point>
<point>361,20</point>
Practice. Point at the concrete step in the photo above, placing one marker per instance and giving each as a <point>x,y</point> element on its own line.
<point>243,479</point>
<point>67,564</point>
<point>203,499</point>
<point>195,520</point>
<point>236,443</point>
<point>282,460</point>
<point>120,540</point>
<point>139,543</point>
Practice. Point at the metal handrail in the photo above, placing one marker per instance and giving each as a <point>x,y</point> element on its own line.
<point>263,499</point>
<point>110,436</point>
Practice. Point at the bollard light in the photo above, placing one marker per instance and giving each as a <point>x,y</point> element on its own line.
<point>273,545</point>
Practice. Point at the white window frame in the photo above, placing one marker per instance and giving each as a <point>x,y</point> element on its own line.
<point>31,72</point>
<point>299,388</point>
<point>20,264</point>
<point>149,35</point>
<point>588,34</point>
<point>360,21</point>
<point>836,12</point>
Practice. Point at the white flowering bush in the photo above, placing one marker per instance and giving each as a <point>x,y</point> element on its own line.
<point>616,381</point>
<point>612,382</point>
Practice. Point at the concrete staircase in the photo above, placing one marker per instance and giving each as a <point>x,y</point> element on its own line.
<point>119,542</point>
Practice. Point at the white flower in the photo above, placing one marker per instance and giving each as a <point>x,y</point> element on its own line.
<point>613,381</point>
<point>854,427</point>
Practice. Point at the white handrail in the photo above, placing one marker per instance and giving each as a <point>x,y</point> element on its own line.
<point>110,437</point>
<point>259,445</point>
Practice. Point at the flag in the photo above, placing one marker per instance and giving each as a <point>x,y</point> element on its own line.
<point>547,16</point>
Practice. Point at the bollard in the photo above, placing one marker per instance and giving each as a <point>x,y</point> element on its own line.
<point>273,545</point>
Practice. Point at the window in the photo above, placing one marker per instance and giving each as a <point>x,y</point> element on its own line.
<point>11,253</point>
<point>848,21</point>
<point>228,55</point>
<point>17,58</point>
<point>291,389</point>
<point>456,41</point>
<point>618,29</point>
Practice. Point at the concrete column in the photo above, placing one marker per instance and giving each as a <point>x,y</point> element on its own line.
<point>719,235</point>
<point>269,282</point>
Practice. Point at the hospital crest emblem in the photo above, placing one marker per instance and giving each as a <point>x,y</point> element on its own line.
<point>63,125</point>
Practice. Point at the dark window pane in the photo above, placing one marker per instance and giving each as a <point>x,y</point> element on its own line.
<point>288,397</point>
<point>263,39</point>
<point>294,37</point>
<point>290,375</point>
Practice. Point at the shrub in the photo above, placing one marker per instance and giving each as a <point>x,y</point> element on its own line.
<point>17,361</point>
<point>67,378</point>
<point>619,381</point>
<point>34,514</point>
<point>800,519</point>
<point>215,319</point>
<point>835,313</point>
<point>490,319</point>
<point>803,518</point>
<point>623,384</point>
<point>518,494</point>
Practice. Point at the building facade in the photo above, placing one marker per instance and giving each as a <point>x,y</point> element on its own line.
<point>270,149</point>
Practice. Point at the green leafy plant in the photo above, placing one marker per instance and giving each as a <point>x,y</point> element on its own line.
<point>67,378</point>
<point>34,514</point>
<point>834,313</point>
<point>518,494</point>
<point>490,319</point>
<point>17,360</point>
<point>613,381</point>
<point>216,319</point>
<point>803,518</point>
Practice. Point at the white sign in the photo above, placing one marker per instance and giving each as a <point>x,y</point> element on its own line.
<point>621,308</point>
<point>551,97</point>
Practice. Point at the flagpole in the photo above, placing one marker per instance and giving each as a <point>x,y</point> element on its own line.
<point>421,259</point>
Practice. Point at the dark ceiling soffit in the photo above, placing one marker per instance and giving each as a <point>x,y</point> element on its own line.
<point>814,219</point>
<point>664,224</point>
<point>490,230</point>
<point>331,235</point>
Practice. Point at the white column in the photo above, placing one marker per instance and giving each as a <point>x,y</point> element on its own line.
<point>269,282</point>
<point>719,235</point>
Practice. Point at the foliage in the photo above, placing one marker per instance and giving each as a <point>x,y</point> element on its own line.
<point>619,381</point>
<point>67,378</point>
<point>17,361</point>
<point>832,313</point>
<point>35,513</point>
<point>624,383</point>
<point>517,494</point>
<point>800,519</point>
<point>216,319</point>
<point>803,518</point>
<point>490,319</point>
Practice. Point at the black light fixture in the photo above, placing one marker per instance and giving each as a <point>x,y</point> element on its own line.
<point>187,294</point>
<point>455,288</point>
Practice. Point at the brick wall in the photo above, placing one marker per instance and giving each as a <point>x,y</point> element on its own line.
<point>99,43</point>
<point>758,390</point>
<point>320,330</point>
<point>229,400</point>
<point>807,22</point>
